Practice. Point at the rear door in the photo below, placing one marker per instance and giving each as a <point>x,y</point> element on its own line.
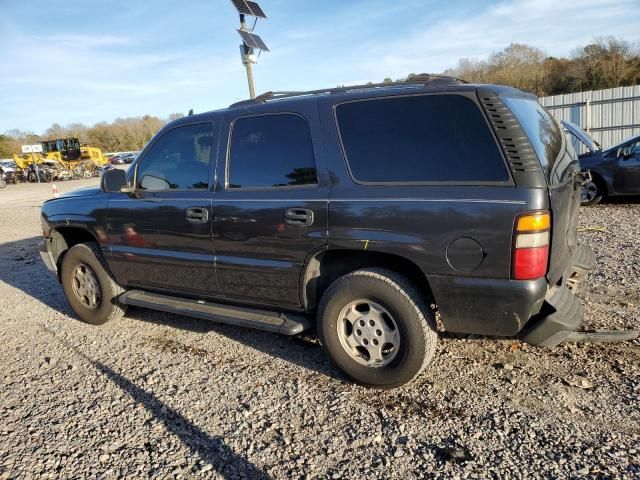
<point>160,236</point>
<point>561,166</point>
<point>270,205</point>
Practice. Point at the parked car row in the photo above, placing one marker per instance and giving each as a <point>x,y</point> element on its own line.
<point>47,171</point>
<point>122,158</point>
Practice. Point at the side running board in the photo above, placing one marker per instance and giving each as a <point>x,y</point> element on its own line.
<point>283,323</point>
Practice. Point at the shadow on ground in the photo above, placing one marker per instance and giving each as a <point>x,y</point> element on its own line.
<point>22,268</point>
<point>302,350</point>
<point>211,449</point>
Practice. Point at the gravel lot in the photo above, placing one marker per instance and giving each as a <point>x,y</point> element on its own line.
<point>162,396</point>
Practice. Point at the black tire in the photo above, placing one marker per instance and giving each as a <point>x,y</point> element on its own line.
<point>108,306</point>
<point>415,324</point>
<point>592,193</point>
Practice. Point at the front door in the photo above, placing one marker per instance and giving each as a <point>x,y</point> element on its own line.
<point>160,235</point>
<point>271,202</point>
<point>626,179</point>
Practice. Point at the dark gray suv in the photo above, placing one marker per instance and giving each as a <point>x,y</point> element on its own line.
<point>360,210</point>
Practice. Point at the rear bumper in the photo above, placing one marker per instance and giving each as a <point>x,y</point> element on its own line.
<point>562,312</point>
<point>527,309</point>
<point>46,256</point>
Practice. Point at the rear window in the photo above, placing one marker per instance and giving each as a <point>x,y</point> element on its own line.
<point>419,139</point>
<point>543,132</point>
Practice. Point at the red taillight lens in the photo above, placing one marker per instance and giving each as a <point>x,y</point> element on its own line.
<point>531,246</point>
<point>530,263</point>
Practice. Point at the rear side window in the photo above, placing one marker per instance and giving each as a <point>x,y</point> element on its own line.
<point>543,132</point>
<point>271,151</point>
<point>415,139</point>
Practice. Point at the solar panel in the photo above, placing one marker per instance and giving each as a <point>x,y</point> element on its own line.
<point>242,7</point>
<point>256,11</point>
<point>252,40</point>
<point>247,7</point>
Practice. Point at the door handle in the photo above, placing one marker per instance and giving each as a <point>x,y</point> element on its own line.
<point>197,215</point>
<point>299,216</point>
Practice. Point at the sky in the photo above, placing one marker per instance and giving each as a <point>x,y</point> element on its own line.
<point>96,60</point>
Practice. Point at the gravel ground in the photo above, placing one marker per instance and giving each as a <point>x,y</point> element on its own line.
<point>162,396</point>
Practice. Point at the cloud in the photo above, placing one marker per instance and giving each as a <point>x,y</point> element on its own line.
<point>557,27</point>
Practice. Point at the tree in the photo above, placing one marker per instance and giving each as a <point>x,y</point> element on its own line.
<point>6,146</point>
<point>175,116</point>
<point>605,63</point>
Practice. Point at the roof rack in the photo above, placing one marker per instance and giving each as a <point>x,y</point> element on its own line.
<point>424,79</point>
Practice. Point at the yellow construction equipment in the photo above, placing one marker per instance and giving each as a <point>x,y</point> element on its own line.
<point>70,154</point>
<point>62,156</point>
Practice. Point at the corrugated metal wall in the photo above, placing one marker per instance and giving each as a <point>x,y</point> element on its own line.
<point>610,116</point>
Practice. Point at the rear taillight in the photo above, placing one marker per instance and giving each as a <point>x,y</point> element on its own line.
<point>531,246</point>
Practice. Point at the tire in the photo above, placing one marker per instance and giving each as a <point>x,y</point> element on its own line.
<point>592,193</point>
<point>367,292</point>
<point>107,307</point>
<point>2,183</point>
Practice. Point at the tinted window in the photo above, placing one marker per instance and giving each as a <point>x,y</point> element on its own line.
<point>543,132</point>
<point>179,159</point>
<point>428,138</point>
<point>271,151</point>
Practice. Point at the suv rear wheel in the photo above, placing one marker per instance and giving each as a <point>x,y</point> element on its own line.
<point>376,328</point>
<point>88,286</point>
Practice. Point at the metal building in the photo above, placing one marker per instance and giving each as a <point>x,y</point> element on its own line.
<point>610,115</point>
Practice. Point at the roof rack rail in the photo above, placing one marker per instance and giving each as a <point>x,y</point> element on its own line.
<point>424,79</point>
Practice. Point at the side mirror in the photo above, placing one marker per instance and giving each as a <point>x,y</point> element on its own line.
<point>625,152</point>
<point>113,180</point>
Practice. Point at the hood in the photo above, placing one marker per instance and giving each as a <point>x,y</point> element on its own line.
<point>581,135</point>
<point>81,192</point>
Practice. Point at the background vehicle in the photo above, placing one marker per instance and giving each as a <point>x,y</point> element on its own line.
<point>38,172</point>
<point>58,172</point>
<point>130,157</point>
<point>117,159</point>
<point>11,171</point>
<point>359,206</point>
<point>614,171</point>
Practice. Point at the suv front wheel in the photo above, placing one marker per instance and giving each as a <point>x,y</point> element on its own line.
<point>376,328</point>
<point>88,285</point>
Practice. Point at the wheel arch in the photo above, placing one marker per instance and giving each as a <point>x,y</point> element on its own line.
<point>600,180</point>
<point>326,266</point>
<point>62,238</point>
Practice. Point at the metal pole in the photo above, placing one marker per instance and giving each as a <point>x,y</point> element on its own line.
<point>252,91</point>
<point>247,62</point>
<point>35,167</point>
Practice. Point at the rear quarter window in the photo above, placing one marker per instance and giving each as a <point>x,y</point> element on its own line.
<point>419,139</point>
<point>545,136</point>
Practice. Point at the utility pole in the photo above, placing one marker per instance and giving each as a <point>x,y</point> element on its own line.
<point>250,41</point>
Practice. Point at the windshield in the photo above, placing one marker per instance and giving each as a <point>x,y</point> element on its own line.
<point>625,143</point>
